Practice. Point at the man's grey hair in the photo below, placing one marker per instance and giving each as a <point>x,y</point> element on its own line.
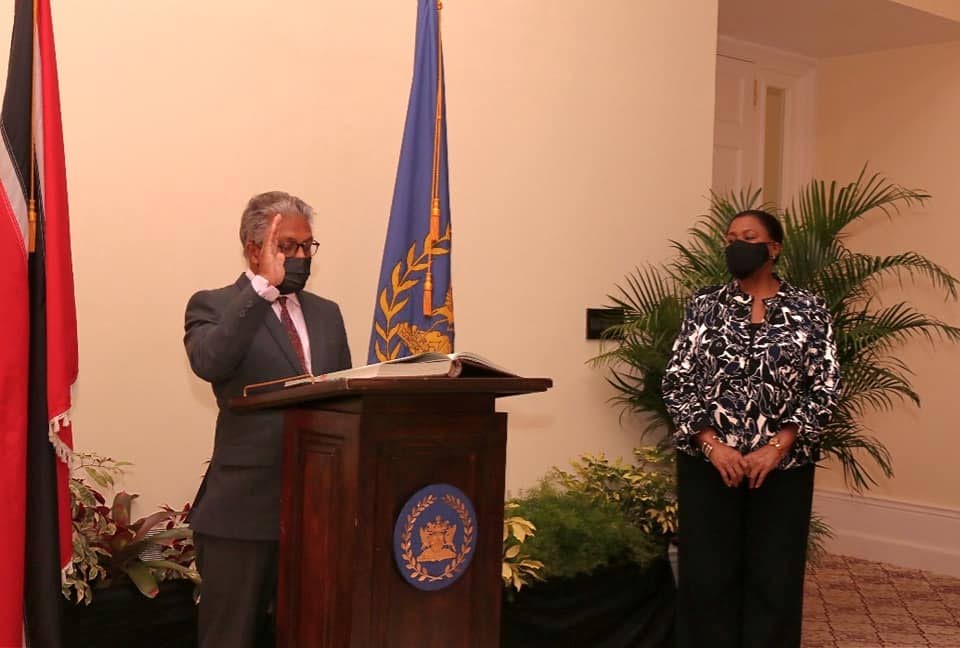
<point>263,207</point>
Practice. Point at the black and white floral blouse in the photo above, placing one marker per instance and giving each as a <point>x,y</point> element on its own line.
<point>748,381</point>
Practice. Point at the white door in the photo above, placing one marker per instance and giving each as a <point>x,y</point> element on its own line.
<point>735,136</point>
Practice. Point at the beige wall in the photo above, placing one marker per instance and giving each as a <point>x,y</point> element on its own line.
<point>899,111</point>
<point>580,140</point>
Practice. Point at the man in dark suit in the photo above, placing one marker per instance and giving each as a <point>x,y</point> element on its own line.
<point>262,327</point>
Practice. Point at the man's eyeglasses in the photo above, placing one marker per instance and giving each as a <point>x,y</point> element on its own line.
<point>289,248</point>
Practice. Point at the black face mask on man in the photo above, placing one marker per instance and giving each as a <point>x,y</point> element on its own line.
<point>296,273</point>
<point>743,259</point>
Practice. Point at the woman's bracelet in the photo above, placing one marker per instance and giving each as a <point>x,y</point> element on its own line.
<point>706,448</point>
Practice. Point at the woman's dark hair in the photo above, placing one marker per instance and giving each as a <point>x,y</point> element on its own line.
<point>770,222</point>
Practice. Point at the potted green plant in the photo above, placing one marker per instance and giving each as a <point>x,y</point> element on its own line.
<point>132,581</point>
<point>645,490</point>
<point>518,569</point>
<point>601,577</point>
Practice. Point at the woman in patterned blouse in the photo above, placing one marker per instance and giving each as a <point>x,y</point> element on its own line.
<point>750,388</point>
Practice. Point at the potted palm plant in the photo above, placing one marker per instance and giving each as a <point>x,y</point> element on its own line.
<point>817,256</point>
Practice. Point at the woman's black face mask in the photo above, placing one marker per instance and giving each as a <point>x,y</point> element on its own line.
<point>743,259</point>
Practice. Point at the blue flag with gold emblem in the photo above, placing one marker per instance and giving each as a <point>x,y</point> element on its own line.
<point>414,306</point>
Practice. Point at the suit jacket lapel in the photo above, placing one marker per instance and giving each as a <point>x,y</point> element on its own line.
<point>312,319</point>
<point>278,332</point>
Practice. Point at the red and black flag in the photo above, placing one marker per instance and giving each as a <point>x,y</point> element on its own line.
<point>38,329</point>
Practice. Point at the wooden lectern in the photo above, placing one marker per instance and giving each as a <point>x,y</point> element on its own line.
<point>355,451</point>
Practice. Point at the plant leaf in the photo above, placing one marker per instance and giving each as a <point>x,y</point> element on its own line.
<point>141,576</point>
<point>122,505</point>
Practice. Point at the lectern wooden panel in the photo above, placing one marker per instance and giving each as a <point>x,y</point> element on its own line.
<point>355,451</point>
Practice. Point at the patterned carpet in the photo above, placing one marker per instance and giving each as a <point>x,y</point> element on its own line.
<point>852,603</point>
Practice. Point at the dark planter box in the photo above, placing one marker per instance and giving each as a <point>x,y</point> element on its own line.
<point>121,616</point>
<point>617,607</point>
<point>614,607</point>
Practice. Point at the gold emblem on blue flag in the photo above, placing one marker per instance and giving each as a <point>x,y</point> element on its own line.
<point>414,305</point>
<point>396,334</point>
<point>435,537</point>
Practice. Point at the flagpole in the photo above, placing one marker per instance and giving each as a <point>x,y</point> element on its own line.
<point>434,233</point>
<point>437,131</point>
<point>32,204</point>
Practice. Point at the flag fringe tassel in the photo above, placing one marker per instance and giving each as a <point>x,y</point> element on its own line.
<point>64,453</point>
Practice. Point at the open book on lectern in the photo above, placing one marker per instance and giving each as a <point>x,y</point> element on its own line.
<point>421,365</point>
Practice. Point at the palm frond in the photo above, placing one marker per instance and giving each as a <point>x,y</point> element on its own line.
<point>701,261</point>
<point>820,532</point>
<point>874,385</point>
<point>640,394</point>
<point>646,290</point>
<point>882,330</point>
<point>853,276</point>
<point>830,210</point>
<point>806,254</point>
<point>723,208</point>
<point>849,442</point>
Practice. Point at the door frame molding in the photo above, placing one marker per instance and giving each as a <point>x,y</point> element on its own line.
<point>797,75</point>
